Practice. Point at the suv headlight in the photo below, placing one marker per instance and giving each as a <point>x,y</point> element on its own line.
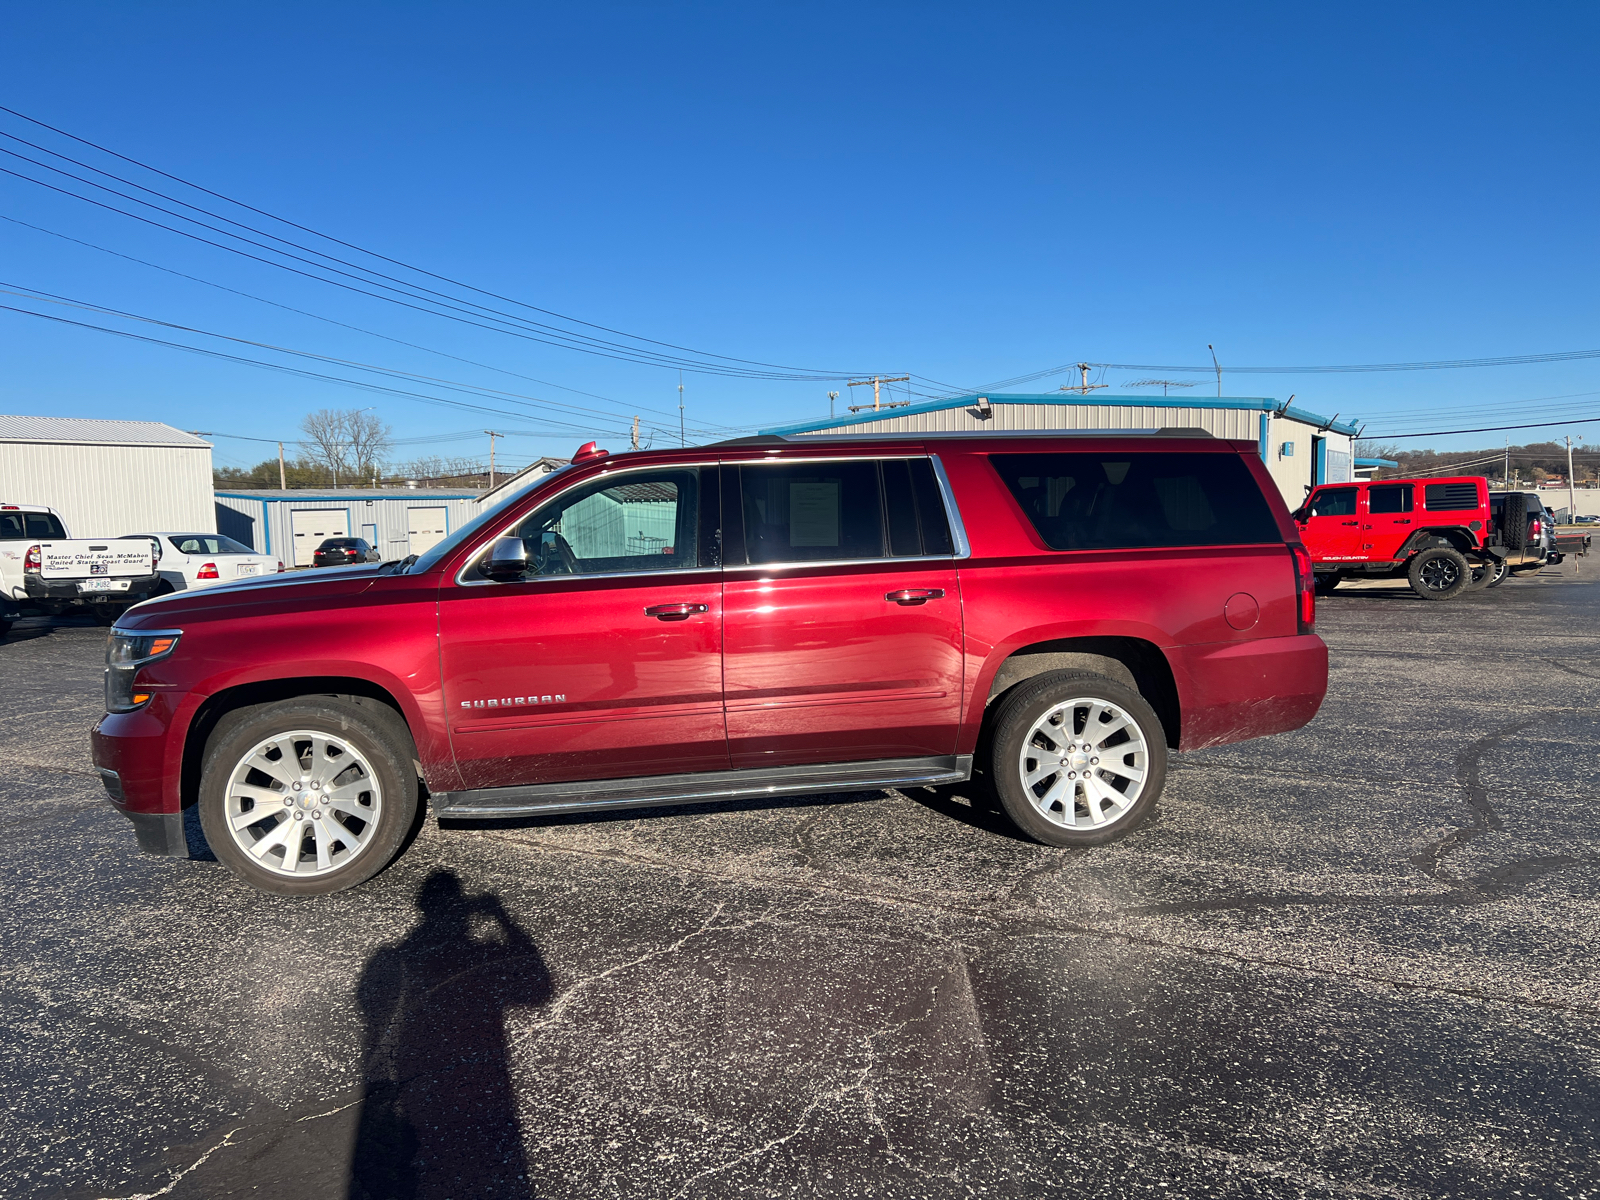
<point>125,654</point>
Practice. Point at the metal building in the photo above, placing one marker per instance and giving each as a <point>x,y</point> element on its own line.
<point>108,478</point>
<point>292,524</point>
<point>1300,448</point>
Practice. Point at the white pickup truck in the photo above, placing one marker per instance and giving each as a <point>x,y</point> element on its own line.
<point>42,570</point>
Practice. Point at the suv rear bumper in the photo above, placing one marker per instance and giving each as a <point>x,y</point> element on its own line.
<point>1232,691</point>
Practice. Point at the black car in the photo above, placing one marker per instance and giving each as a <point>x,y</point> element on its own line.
<point>342,551</point>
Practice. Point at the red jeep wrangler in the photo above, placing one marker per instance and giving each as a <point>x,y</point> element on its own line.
<point>756,618</point>
<point>1437,533</point>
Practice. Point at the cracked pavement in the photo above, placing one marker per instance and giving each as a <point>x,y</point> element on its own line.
<point>1355,960</point>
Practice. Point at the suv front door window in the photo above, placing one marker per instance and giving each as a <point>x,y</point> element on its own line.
<point>604,660</point>
<point>843,620</point>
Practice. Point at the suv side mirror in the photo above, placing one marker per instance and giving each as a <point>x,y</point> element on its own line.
<point>507,561</point>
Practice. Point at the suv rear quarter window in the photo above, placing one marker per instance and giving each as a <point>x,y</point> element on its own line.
<point>1089,501</point>
<point>1450,497</point>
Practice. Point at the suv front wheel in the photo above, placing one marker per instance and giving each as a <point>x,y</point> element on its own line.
<point>1079,759</point>
<point>308,796</point>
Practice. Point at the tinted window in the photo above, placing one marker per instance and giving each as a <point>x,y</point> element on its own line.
<point>1450,497</point>
<point>1094,501</point>
<point>1389,498</point>
<point>1334,502</point>
<point>641,521</point>
<point>930,509</point>
<point>207,543</point>
<point>44,527</point>
<point>901,507</point>
<point>811,512</point>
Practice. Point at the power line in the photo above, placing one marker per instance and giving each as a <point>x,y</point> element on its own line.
<point>739,366</point>
<point>329,320</point>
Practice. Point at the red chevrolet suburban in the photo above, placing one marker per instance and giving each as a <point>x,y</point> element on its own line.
<point>762,617</point>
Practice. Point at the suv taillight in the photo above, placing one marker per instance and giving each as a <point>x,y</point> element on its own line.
<point>209,571</point>
<point>31,562</point>
<point>1305,593</point>
<point>1536,528</point>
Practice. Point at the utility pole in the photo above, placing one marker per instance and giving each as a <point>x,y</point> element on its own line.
<point>877,382</point>
<point>1085,387</point>
<point>832,396</point>
<point>283,478</point>
<point>682,440</point>
<point>1572,496</point>
<point>492,435</point>
<point>1218,366</point>
<point>1505,476</point>
<point>636,433</point>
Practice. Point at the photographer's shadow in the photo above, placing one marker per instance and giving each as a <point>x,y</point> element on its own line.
<point>439,1116</point>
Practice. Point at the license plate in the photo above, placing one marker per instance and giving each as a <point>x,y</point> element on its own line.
<point>247,568</point>
<point>103,585</point>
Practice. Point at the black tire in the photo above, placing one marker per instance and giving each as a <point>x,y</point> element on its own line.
<point>1501,573</point>
<point>1323,585</point>
<point>380,752</point>
<point>5,627</point>
<point>1480,575</point>
<point>1514,529</point>
<point>1015,723</point>
<point>1439,573</point>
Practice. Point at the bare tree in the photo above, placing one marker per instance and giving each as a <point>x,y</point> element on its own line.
<point>348,441</point>
<point>368,435</point>
<point>326,442</point>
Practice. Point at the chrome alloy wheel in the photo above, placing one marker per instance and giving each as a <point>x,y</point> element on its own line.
<point>303,803</point>
<point>1084,763</point>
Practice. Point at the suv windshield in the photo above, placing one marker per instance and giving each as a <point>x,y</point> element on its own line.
<point>20,526</point>
<point>429,559</point>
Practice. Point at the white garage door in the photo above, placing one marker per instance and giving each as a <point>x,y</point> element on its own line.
<point>427,528</point>
<point>311,525</point>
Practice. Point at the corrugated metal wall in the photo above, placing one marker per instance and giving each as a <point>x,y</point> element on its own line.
<point>261,520</point>
<point>106,491</point>
<point>1219,422</point>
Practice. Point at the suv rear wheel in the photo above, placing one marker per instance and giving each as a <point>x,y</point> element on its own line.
<point>1501,573</point>
<point>1079,759</point>
<point>1439,573</point>
<point>308,796</point>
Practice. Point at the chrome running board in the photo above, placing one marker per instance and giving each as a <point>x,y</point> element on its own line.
<point>601,795</point>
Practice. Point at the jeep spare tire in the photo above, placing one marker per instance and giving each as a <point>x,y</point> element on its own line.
<point>1439,573</point>
<point>1514,525</point>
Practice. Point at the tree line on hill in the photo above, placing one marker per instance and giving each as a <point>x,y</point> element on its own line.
<point>1533,463</point>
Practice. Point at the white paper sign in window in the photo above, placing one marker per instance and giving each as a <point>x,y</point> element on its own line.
<point>814,513</point>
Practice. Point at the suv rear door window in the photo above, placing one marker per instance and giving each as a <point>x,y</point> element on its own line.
<point>836,511</point>
<point>1389,498</point>
<point>1087,501</point>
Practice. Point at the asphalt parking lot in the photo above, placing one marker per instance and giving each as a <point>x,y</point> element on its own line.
<point>1357,960</point>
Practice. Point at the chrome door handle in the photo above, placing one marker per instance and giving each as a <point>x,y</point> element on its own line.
<point>675,612</point>
<point>915,595</point>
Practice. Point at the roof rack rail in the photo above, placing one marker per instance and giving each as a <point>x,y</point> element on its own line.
<point>760,439</point>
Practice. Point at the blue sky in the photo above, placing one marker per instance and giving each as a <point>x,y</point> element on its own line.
<point>968,194</point>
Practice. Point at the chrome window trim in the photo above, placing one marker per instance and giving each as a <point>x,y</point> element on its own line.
<point>505,530</point>
<point>958,531</point>
<point>838,562</point>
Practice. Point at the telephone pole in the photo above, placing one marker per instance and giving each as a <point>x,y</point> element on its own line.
<point>877,382</point>
<point>832,396</point>
<point>1505,478</point>
<point>682,440</point>
<point>1218,366</point>
<point>283,479</point>
<point>492,435</point>
<point>1085,387</point>
<point>636,433</point>
<point>1572,496</point>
